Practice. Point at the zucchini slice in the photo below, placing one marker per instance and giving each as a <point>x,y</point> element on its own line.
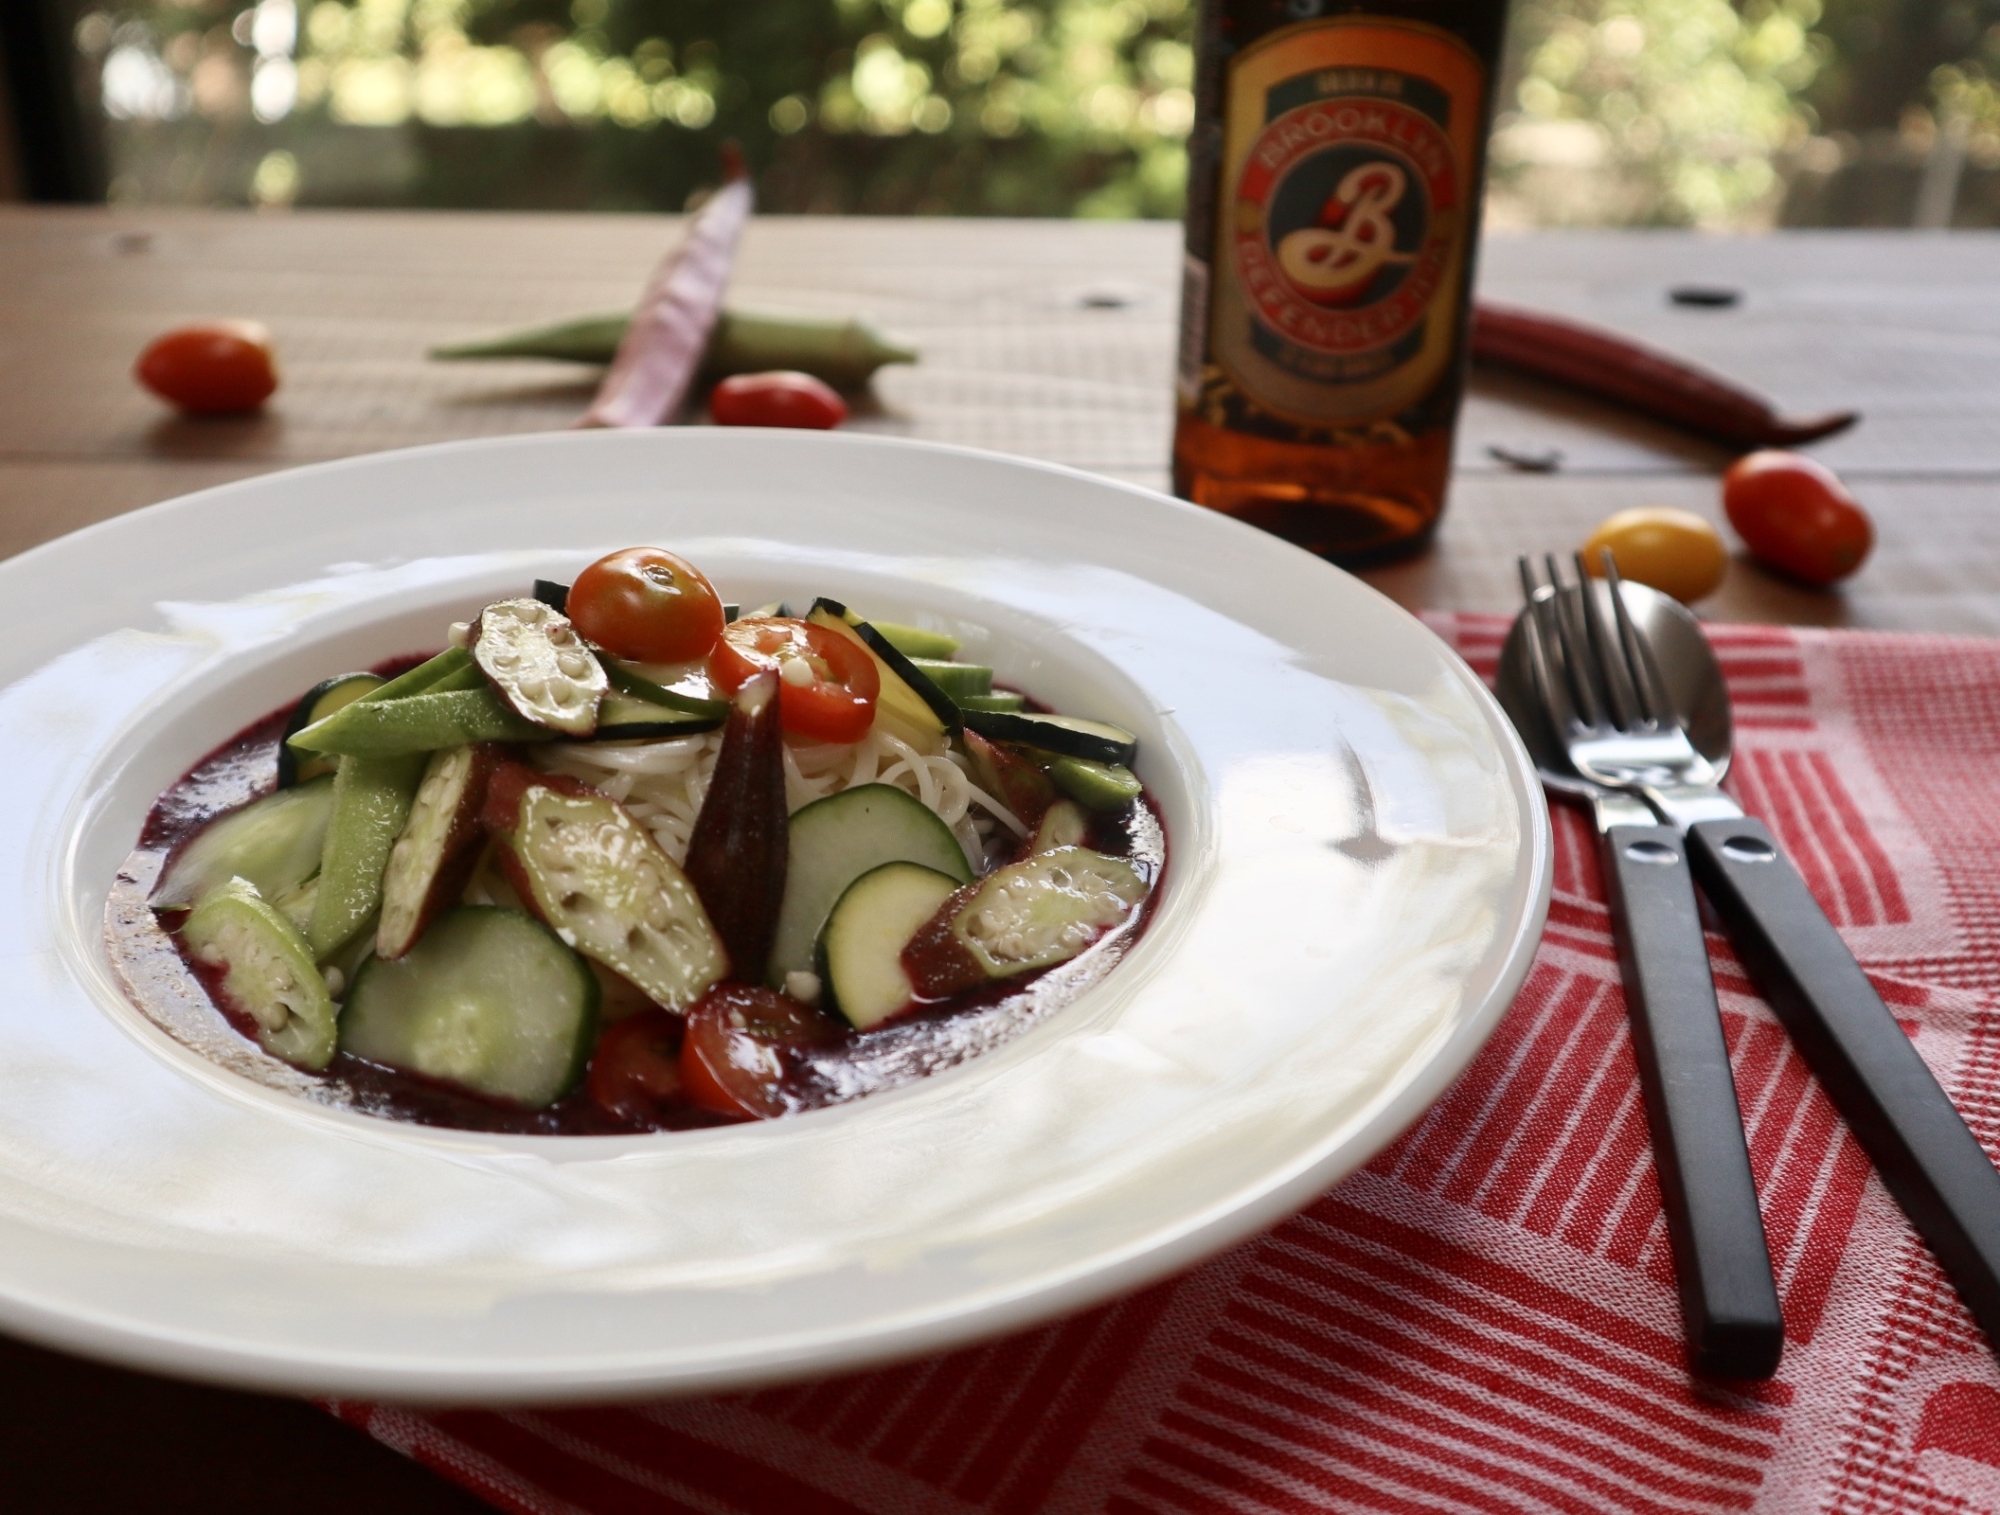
<point>1032,914</point>
<point>596,876</point>
<point>1064,735</point>
<point>438,847</point>
<point>1003,699</point>
<point>636,698</point>
<point>873,921</point>
<point>552,594</point>
<point>959,681</point>
<point>539,666</point>
<point>907,694</point>
<point>624,718</point>
<point>266,972</point>
<point>836,840</point>
<point>319,702</point>
<point>916,642</point>
<point>274,842</point>
<point>489,1000</point>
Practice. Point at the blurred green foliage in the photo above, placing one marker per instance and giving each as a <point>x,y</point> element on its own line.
<point>1675,112</point>
<point>1010,107</point>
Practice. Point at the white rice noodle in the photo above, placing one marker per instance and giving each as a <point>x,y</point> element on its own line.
<point>662,783</point>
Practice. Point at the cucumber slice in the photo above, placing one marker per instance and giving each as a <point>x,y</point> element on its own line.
<point>1065,735</point>
<point>320,701</point>
<point>624,718</point>
<point>862,954</point>
<point>267,973</point>
<point>957,680</point>
<point>916,642</point>
<point>1095,786</point>
<point>1005,699</point>
<point>274,842</point>
<point>836,840</point>
<point>489,1000</point>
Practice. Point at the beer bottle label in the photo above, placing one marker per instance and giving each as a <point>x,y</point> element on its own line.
<point>1342,229</point>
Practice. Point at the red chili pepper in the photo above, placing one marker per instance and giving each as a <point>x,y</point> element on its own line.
<point>1629,373</point>
<point>776,399</point>
<point>662,349</point>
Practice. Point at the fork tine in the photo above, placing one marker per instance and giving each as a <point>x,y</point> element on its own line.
<point>1627,709</point>
<point>1549,691</point>
<point>1576,654</point>
<point>1653,701</point>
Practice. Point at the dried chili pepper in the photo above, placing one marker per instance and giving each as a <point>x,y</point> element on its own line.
<point>662,349</point>
<point>1616,368</point>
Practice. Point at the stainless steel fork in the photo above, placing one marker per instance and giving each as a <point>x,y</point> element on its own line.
<point>1606,694</point>
<point>1606,705</point>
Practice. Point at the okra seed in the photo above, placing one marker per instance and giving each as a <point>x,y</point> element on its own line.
<point>573,664</point>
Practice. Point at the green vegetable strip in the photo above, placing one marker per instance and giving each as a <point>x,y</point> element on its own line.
<point>424,676</point>
<point>419,723</point>
<point>371,801</point>
<point>638,687</point>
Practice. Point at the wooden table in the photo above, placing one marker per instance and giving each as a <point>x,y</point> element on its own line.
<point>1048,339</point>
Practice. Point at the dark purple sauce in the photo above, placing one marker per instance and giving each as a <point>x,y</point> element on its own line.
<point>177,994</point>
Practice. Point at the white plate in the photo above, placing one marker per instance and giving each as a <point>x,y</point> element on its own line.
<point>1359,873</point>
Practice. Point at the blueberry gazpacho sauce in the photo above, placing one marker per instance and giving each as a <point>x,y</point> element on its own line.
<point>537,884</point>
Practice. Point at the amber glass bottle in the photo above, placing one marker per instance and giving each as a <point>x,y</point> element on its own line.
<point>1333,211</point>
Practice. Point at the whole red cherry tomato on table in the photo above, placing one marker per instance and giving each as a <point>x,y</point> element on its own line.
<point>827,685</point>
<point>734,1059</point>
<point>647,604</point>
<point>215,368</point>
<point>776,399</point>
<point>1797,516</point>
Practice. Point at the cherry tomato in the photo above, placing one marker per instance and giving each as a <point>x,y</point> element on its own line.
<point>1797,516</point>
<point>826,684</point>
<point>637,1067</point>
<point>734,1058</point>
<point>776,399</point>
<point>647,604</point>
<point>214,368</point>
<point>1674,551</point>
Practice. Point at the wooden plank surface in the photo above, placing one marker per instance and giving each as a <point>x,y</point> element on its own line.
<point>1052,340</point>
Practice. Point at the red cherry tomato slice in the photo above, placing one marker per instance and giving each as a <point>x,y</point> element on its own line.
<point>215,368</point>
<point>1797,516</point>
<point>826,684</point>
<point>734,1058</point>
<point>776,399</point>
<point>636,1071</point>
<point>647,604</point>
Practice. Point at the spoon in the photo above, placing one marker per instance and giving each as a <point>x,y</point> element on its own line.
<point>1730,1313</point>
<point>1687,667</point>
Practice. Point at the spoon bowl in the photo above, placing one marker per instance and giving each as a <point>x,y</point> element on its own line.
<point>1687,667</point>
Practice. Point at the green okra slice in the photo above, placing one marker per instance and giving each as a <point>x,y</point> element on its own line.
<point>427,722</point>
<point>371,803</point>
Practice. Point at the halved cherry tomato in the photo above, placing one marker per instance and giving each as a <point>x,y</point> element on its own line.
<point>1797,516</point>
<point>214,368</point>
<point>826,684</point>
<point>776,399</point>
<point>734,1058</point>
<point>647,604</point>
<point>636,1070</point>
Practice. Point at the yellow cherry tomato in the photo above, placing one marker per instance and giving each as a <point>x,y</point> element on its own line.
<point>1674,551</point>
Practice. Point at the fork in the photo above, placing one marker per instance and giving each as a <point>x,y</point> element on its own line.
<point>1928,1159</point>
<point>1604,701</point>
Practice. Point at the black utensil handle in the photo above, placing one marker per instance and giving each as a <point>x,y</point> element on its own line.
<point>1930,1162</point>
<point>1729,1302</point>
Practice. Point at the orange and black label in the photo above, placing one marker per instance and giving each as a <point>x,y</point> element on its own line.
<point>1341,238</point>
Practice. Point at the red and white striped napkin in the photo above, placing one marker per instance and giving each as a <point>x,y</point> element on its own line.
<point>1483,1320</point>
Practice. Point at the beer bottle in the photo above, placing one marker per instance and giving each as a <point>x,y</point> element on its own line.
<point>1334,184</point>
